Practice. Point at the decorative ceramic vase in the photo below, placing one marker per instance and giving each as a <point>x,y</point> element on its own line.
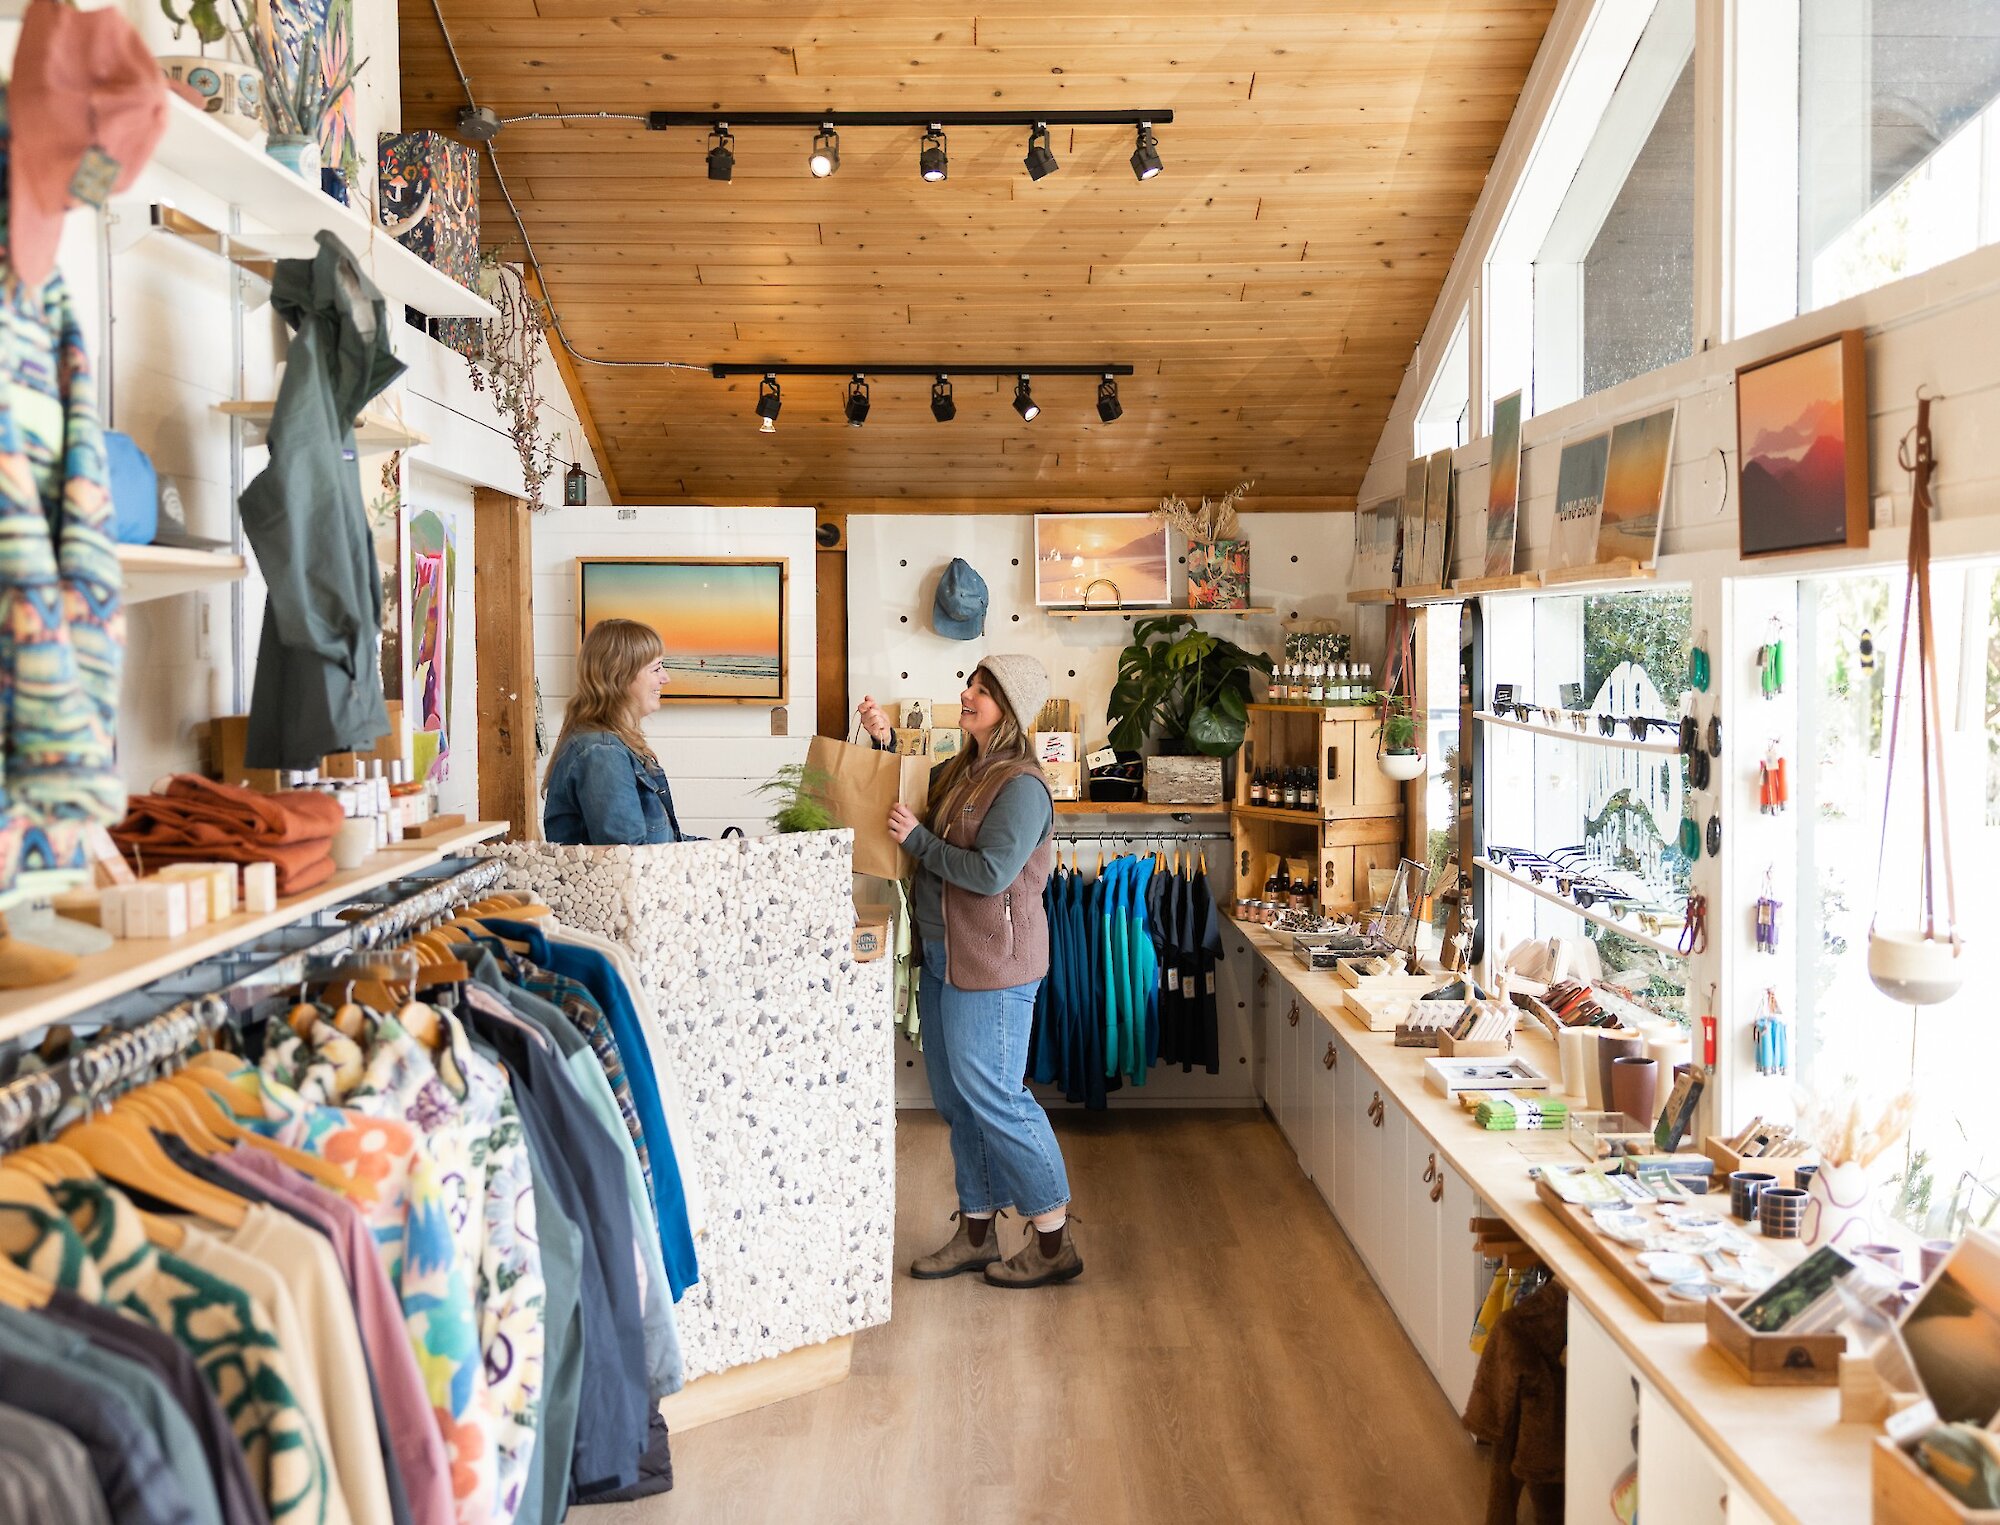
<point>298,154</point>
<point>1577,1048</point>
<point>1913,969</point>
<point>1402,766</point>
<point>1837,1206</point>
<point>1635,1085</point>
<point>1613,1046</point>
<point>1218,574</point>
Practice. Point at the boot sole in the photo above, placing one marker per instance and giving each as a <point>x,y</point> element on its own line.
<point>970,1265</point>
<point>1047,1279</point>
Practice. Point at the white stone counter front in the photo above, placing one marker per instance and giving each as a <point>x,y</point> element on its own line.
<point>783,1050</point>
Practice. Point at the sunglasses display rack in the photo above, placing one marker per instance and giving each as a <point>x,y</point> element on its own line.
<point>1563,725</point>
<point>1628,926</point>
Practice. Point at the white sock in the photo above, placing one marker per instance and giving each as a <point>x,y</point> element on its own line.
<point>1043,1225</point>
<point>982,1217</point>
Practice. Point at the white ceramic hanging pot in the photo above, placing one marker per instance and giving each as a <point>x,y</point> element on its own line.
<point>1913,969</point>
<point>1402,766</point>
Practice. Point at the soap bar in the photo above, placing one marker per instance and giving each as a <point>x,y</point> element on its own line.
<point>260,888</point>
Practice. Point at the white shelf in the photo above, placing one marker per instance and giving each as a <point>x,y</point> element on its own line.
<point>1628,929</point>
<point>161,571</point>
<point>131,963</point>
<point>1150,611</point>
<point>1588,736</point>
<point>292,213</point>
<point>373,432</point>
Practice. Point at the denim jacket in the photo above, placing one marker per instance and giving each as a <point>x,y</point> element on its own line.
<point>601,795</point>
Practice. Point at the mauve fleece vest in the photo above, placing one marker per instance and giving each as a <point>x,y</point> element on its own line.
<point>994,941</point>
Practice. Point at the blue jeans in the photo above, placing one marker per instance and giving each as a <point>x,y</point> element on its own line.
<point>1003,1150</point>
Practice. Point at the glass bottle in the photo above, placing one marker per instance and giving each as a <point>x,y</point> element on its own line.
<point>1257,787</point>
<point>1309,789</point>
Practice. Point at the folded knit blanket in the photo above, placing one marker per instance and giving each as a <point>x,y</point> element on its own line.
<point>199,820</point>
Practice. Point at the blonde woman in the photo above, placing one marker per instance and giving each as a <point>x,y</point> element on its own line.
<point>983,854</point>
<point>604,785</point>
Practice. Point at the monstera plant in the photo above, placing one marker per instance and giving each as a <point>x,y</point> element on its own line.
<point>1179,680</point>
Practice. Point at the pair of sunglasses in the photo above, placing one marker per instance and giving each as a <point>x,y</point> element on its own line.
<point>1512,710</point>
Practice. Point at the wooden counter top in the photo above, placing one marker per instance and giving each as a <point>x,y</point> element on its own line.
<point>1784,1447</point>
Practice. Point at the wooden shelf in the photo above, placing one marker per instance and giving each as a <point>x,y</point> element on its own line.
<point>1627,929</point>
<point>1152,610</point>
<point>1375,596</point>
<point>1611,572</point>
<point>1589,737</point>
<point>161,571</point>
<point>1134,807</point>
<point>373,432</point>
<point>1319,712</point>
<point>1310,818</point>
<point>1513,582</point>
<point>1437,593</point>
<point>291,213</point>
<point>131,963</point>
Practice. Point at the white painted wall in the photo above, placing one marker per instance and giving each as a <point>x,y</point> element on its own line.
<point>715,754</point>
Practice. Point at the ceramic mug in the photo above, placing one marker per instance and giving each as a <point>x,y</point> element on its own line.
<point>1781,1210</point>
<point>1933,1253</point>
<point>1890,1255</point>
<point>1744,1188</point>
<point>353,842</point>
<point>232,93</point>
<point>1635,1083</point>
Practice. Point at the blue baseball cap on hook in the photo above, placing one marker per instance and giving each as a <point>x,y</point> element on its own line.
<point>959,611</point>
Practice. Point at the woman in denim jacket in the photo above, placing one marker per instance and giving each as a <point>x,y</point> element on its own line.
<point>605,787</point>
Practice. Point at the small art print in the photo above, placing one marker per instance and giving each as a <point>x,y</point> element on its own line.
<point>1503,487</point>
<point>722,622</point>
<point>1416,479</point>
<point>1437,517</point>
<point>1579,501</point>
<point>1802,427</point>
<point>1108,560</point>
<point>1635,488</point>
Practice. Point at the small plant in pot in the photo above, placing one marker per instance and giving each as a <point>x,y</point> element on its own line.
<point>1400,757</point>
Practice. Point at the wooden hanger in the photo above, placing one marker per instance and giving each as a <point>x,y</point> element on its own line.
<point>50,1163</point>
<point>19,1289</point>
<point>224,1125</point>
<point>121,1149</point>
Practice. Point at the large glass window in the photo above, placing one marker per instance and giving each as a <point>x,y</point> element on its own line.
<point>1444,419</point>
<point>1849,1033</point>
<point>1591,278</point>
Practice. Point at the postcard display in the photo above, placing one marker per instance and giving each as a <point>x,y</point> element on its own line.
<point>781,1042</point>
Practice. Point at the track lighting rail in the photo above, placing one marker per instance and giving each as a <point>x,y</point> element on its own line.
<point>947,368</point>
<point>660,121</point>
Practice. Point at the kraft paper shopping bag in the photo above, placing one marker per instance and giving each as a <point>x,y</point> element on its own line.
<point>861,784</point>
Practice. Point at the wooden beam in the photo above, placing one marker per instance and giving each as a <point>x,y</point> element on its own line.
<point>504,663</point>
<point>566,368</point>
<point>831,617</point>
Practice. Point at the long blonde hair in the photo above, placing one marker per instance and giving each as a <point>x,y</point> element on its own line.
<point>613,654</point>
<point>962,775</point>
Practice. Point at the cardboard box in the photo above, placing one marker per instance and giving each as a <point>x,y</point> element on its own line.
<point>1056,746</point>
<point>871,941</point>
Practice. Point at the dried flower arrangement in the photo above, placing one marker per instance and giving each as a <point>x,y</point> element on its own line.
<point>1835,1125</point>
<point>1214,520</point>
<point>507,362</point>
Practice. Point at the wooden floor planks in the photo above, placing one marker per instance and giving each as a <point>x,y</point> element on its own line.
<point>1224,1358</point>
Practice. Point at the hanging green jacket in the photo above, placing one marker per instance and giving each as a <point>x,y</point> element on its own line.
<point>319,675</point>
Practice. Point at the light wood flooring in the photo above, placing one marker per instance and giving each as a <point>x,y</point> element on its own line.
<point>1224,1357</point>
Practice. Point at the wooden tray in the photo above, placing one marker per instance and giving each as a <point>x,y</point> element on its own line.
<point>1728,1162</point>
<point>1904,1494</point>
<point>1369,1004</point>
<point>1618,1258</point>
<point>1772,1360</point>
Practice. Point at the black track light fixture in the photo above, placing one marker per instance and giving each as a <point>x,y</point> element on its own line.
<point>943,409</point>
<point>1146,157</point>
<point>769,401</point>
<point>721,152</point>
<point>1041,160</point>
<point>826,152</point>
<point>931,161</point>
<point>1024,401</point>
<point>1109,409</point>
<point>857,401</point>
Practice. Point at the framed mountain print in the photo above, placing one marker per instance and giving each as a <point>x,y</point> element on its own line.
<point>1802,433</point>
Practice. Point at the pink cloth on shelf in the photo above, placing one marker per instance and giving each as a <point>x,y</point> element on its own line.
<point>413,1429</point>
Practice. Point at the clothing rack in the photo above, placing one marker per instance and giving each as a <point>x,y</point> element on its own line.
<point>1142,836</point>
<point>196,1006</point>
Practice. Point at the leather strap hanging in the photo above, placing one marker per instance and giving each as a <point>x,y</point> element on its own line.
<point>1914,455</point>
<point>1399,670</point>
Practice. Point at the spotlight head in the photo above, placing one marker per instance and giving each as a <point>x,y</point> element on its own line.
<point>769,401</point>
<point>721,153</point>
<point>478,123</point>
<point>1146,157</point>
<point>1024,401</point>
<point>1109,409</point>
<point>1041,160</point>
<point>825,152</point>
<point>856,407</point>
<point>943,409</point>
<point>931,161</point>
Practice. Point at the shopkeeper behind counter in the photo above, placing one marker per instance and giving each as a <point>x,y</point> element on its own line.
<point>983,853</point>
<point>605,787</point>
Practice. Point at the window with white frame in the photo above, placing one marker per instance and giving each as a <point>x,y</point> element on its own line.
<point>1444,419</point>
<point>1867,146</point>
<point>1590,280</point>
<point>1848,1034</point>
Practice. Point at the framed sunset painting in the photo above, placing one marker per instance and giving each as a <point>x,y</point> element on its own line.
<point>721,621</point>
<point>1802,430</point>
<point>1106,559</point>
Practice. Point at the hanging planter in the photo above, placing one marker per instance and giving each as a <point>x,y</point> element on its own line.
<point>1919,962</point>
<point>1396,751</point>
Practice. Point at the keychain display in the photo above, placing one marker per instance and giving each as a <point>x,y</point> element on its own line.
<point>1771,662</point>
<point>1774,1038</point>
<point>1694,936</point>
<point>1768,906</point>
<point>1708,1030</point>
<point>1866,651</point>
<point>1700,670</point>
<point>1690,838</point>
<point>1714,835</point>
<point>1773,793</point>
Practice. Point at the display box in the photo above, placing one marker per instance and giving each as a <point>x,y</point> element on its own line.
<point>1728,1162</point>
<point>1065,779</point>
<point>1904,1494</point>
<point>1772,1360</point>
<point>1599,1135</point>
<point>428,188</point>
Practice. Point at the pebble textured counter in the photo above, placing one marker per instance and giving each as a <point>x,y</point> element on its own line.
<point>783,1050</point>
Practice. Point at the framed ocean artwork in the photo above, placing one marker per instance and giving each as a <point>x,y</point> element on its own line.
<point>1503,487</point>
<point>1579,501</point>
<point>722,620</point>
<point>1106,560</point>
<point>1635,488</point>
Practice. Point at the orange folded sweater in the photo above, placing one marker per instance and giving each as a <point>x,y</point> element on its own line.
<point>198,820</point>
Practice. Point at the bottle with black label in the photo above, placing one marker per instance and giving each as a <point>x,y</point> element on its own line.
<point>1309,789</point>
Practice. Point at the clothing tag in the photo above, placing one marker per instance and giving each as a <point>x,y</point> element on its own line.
<point>1188,987</point>
<point>1211,982</point>
<point>1103,757</point>
<point>96,173</point>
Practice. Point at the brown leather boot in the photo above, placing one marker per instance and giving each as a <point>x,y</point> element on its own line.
<point>960,1254</point>
<point>1032,1266</point>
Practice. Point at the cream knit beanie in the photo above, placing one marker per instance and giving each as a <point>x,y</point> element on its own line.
<point>1024,683</point>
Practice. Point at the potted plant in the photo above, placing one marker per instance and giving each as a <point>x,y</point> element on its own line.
<point>797,790</point>
<point>1400,757</point>
<point>1192,685</point>
<point>297,96</point>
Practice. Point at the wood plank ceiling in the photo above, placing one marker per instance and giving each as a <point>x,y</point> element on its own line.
<point>1269,287</point>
